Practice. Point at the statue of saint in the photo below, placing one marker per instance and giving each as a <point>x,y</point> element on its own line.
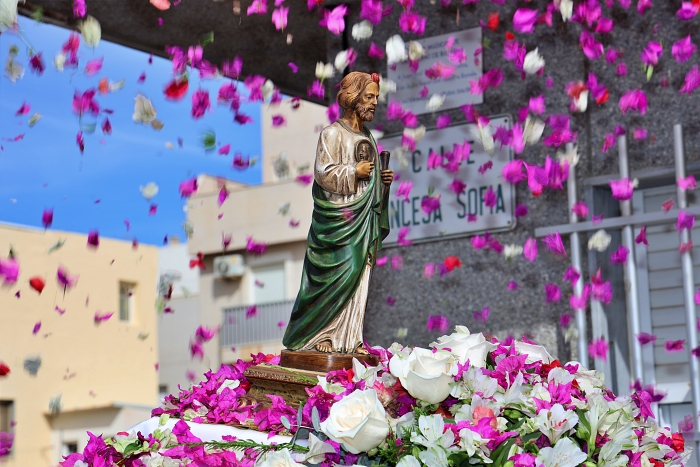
<point>349,222</point>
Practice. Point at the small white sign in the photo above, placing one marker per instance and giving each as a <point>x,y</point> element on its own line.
<point>456,88</point>
<point>451,219</point>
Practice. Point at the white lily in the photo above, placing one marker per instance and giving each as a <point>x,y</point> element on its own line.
<point>385,87</point>
<point>600,241</point>
<point>416,134</point>
<point>317,450</point>
<point>555,422</point>
<point>533,129</point>
<point>267,89</point>
<point>434,457</point>
<point>324,71</point>
<point>571,157</point>
<point>470,441</point>
<point>408,461</point>
<point>415,51</point>
<point>484,135</point>
<point>144,112</point>
<point>581,104</point>
<point>91,31</point>
<point>362,30</point>
<point>8,14</point>
<point>533,62</point>
<point>564,454</point>
<point>511,251</point>
<point>341,60</point>
<point>361,372</point>
<point>566,8</point>
<point>435,102</point>
<point>395,50</point>
<point>430,432</point>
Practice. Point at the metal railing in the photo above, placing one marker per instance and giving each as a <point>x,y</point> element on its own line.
<point>268,323</point>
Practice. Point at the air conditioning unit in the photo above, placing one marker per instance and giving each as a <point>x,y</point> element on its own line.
<point>229,267</point>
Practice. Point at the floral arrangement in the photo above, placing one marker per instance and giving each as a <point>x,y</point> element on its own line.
<point>465,401</point>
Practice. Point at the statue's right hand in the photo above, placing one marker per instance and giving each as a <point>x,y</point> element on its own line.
<point>364,168</point>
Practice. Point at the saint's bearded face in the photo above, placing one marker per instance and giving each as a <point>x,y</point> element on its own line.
<point>367,103</point>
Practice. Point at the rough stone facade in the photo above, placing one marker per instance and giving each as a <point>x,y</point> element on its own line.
<point>483,278</point>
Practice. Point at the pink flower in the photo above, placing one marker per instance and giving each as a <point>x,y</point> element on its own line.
<point>402,240</point>
<point>372,10</point>
<point>642,237</point>
<point>36,63</point>
<point>375,52</point>
<point>223,195</point>
<point>382,261</point>
<point>687,11</point>
<point>554,243</point>
<point>9,270</point>
<point>457,55</point>
<point>512,285</point>
<point>410,21</point>
<point>93,239</point>
<point>79,8</point>
<point>293,67</point>
<point>84,102</point>
<point>591,48</point>
<point>443,121</point>
<point>64,279</point>
<point>490,197</point>
<point>333,19</point>
<point>572,275</point>
<point>437,322</point>
<point>622,189</point>
<point>580,209</point>
<point>258,7</point>
<point>580,302</point>
<point>530,249</point>
<point>37,326</point>
<point>639,134</point>
<point>429,270</point>
<point>674,346</point>
<point>598,348</point>
<point>440,70</point>
<point>107,127</point>
<point>478,242</point>
<point>667,205</point>
<point>611,55</point>
<point>645,338</point>
<point>619,256</point>
<point>251,311</point>
<point>553,293</point>
<point>685,221</point>
<point>333,112</point>
<point>80,141</point>
<point>224,150</point>
<point>404,190</point>
<point>635,99</point>
<point>278,121</point>
<point>651,53</point>
<point>687,183</point>
<point>279,18</point>
<point>188,187</point>
<point>524,20</point>
<point>692,81</point>
<point>396,262</point>
<point>93,66</point>
<point>205,334</point>
<point>316,89</point>
<point>621,69</point>
<point>457,186</point>
<point>483,168</point>
<point>430,203</point>
<point>99,316</point>
<point>47,218</point>
<point>304,179</point>
<point>520,210</point>
<point>683,49</point>
<point>512,172</point>
<point>196,349</point>
<point>254,247</point>
<point>482,315</point>
<point>536,104</point>
<point>643,5</point>
<point>200,103</point>
<point>608,142</point>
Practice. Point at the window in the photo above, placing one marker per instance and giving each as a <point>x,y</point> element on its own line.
<point>6,415</point>
<point>268,284</point>
<point>70,447</point>
<point>126,302</point>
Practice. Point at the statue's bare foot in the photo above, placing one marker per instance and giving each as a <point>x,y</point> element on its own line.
<point>361,350</point>
<point>324,347</point>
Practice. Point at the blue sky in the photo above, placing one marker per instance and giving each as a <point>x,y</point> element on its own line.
<point>46,169</point>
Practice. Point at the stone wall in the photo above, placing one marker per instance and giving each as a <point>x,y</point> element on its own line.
<point>482,280</point>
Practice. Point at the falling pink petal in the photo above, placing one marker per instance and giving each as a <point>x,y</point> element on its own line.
<point>642,237</point>
<point>565,320</point>
<point>93,66</point>
<point>687,183</point>
<point>524,20</point>
<point>674,346</point>
<point>572,275</point>
<point>692,81</point>
<point>482,315</point>
<point>685,221</point>
<point>598,348</point>
<point>382,261</point>
<point>333,19</point>
<point>396,262</point>
<point>554,244</point>
<point>552,292</point>
<point>93,239</point>
<point>251,311</point>
<point>580,209</point>
<point>645,338</point>
<point>530,249</point>
<point>188,187</point>
<point>512,285</point>
<point>278,121</point>
<point>437,322</point>
<point>99,316</point>
<point>224,150</point>
<point>60,311</point>
<point>683,49</point>
<point>622,189</point>
<point>37,326</point>
<point>521,210</point>
<point>304,179</point>
<point>635,99</point>
<point>619,256</point>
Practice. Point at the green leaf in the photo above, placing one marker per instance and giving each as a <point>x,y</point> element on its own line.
<point>38,14</point>
<point>315,419</point>
<point>206,39</point>
<point>209,140</point>
<point>300,414</point>
<point>131,448</point>
<point>650,71</point>
<point>285,422</point>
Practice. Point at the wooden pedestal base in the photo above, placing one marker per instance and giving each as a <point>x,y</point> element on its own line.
<point>323,362</point>
<point>288,383</point>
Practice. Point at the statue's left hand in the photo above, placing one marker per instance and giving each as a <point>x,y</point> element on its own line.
<point>387,176</point>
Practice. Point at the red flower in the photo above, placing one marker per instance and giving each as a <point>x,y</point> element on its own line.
<point>452,262</point>
<point>4,369</point>
<point>494,21</point>
<point>176,89</point>
<point>678,443</point>
<point>37,283</point>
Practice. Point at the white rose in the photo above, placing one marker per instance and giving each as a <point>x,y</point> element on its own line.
<point>599,241</point>
<point>362,30</point>
<point>415,51</point>
<point>466,346</point>
<point>395,50</point>
<point>280,458</point>
<point>144,112</point>
<point>357,421</point>
<point>535,353</point>
<point>533,62</point>
<point>91,31</point>
<point>424,374</point>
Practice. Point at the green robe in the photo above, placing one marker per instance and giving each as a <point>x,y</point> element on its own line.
<point>341,239</point>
